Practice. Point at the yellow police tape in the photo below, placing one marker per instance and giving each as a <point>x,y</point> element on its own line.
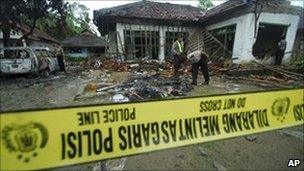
<point>58,137</point>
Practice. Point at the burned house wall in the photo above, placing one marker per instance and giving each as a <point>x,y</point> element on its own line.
<point>15,36</point>
<point>245,34</point>
<point>112,49</point>
<point>161,29</point>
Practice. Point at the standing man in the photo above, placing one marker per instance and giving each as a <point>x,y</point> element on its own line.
<point>199,61</point>
<point>178,50</point>
<point>60,59</point>
<point>280,50</point>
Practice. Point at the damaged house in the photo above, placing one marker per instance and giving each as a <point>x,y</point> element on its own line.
<point>144,28</point>
<point>36,39</point>
<point>241,30</point>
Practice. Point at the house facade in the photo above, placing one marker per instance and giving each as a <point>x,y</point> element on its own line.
<point>250,29</point>
<point>87,44</point>
<point>144,28</point>
<point>258,24</point>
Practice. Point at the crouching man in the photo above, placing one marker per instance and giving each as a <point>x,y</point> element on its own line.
<point>199,59</point>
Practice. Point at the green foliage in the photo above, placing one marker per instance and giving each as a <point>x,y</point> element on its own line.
<point>205,4</point>
<point>298,60</point>
<point>28,11</point>
<point>58,18</point>
<point>76,20</point>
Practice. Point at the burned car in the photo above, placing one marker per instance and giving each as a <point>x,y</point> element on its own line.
<point>27,60</point>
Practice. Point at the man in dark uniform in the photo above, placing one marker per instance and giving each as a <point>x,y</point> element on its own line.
<point>280,50</point>
<point>178,50</point>
<point>60,59</point>
<point>199,61</point>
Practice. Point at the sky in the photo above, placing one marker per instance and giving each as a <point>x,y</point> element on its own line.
<point>98,4</point>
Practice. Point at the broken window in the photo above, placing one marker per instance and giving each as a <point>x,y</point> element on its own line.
<point>14,53</point>
<point>140,44</point>
<point>171,37</point>
<point>226,36</point>
<point>267,39</point>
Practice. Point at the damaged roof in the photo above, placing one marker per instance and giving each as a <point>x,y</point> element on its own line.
<point>150,13</point>
<point>153,10</point>
<point>168,11</point>
<point>226,6</point>
<point>233,6</point>
<point>37,34</point>
<point>86,39</point>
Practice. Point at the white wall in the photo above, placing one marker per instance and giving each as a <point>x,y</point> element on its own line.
<point>244,36</point>
<point>13,35</point>
<point>120,27</point>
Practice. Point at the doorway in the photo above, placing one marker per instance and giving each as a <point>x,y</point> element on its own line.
<point>267,40</point>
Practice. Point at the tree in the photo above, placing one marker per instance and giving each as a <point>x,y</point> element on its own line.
<point>57,18</point>
<point>30,11</point>
<point>76,19</point>
<point>205,4</point>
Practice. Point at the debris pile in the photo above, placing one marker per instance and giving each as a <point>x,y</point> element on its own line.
<point>266,75</point>
<point>138,87</point>
<point>118,66</point>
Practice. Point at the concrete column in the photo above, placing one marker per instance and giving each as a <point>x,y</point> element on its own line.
<point>112,41</point>
<point>290,38</point>
<point>162,40</point>
<point>245,32</point>
<point>120,42</point>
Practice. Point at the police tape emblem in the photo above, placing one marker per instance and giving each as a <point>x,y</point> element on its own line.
<point>25,139</point>
<point>280,108</point>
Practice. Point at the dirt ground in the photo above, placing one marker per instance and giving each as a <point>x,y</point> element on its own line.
<point>271,150</point>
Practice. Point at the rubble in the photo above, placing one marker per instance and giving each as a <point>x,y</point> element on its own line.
<point>139,86</point>
<point>266,75</point>
<point>250,138</point>
<point>120,98</point>
<point>151,79</point>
